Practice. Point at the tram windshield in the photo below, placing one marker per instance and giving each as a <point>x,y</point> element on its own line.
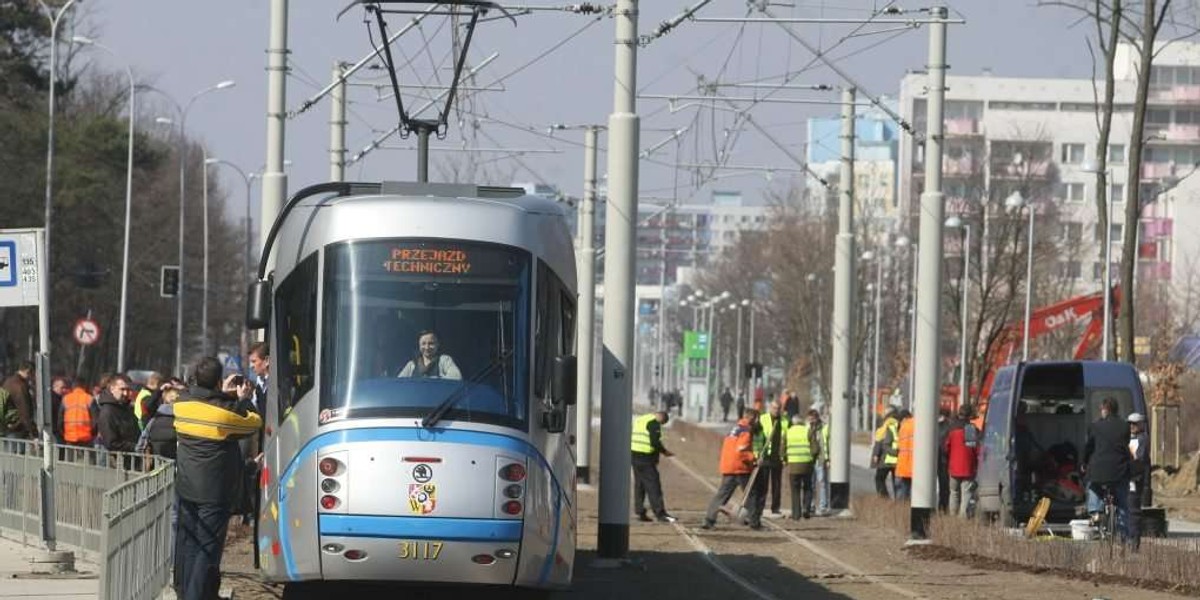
<point>410,323</point>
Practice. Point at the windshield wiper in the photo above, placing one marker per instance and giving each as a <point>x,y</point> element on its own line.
<point>440,411</point>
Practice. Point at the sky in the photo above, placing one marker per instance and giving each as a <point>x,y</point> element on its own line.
<point>555,67</point>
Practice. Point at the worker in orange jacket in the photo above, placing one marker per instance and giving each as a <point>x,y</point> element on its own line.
<point>904,464</point>
<point>737,463</point>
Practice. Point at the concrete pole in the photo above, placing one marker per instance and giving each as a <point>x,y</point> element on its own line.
<point>337,125</point>
<point>274,180</point>
<point>929,293</point>
<point>586,333</point>
<point>708,363</point>
<point>619,247</point>
<point>843,327</point>
<point>753,383</point>
<point>204,260</point>
<point>871,400</point>
<point>660,363</point>
<point>1028,284</point>
<point>966,297</point>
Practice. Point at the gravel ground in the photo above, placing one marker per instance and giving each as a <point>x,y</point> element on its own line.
<point>820,558</point>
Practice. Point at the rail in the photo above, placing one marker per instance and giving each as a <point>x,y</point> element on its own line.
<point>111,508</point>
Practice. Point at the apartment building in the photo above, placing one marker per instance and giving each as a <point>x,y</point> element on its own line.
<point>1036,135</point>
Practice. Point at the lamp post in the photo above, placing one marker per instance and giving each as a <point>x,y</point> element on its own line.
<point>738,369</point>
<point>904,242</point>
<point>55,18</point>
<point>1092,167</point>
<point>1016,202</point>
<point>248,179</point>
<point>183,111</point>
<point>878,288</point>
<point>128,202</point>
<point>957,223</point>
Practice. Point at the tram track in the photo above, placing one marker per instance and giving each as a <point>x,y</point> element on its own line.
<point>714,558</point>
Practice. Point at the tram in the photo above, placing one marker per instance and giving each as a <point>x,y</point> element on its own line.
<point>421,380</point>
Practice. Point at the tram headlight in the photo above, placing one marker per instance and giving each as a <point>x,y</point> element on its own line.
<point>513,472</point>
<point>512,491</point>
<point>330,486</point>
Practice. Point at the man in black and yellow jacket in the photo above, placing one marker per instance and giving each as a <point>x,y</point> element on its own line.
<point>210,417</point>
<point>645,445</point>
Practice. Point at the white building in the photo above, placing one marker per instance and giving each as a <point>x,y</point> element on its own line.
<point>1002,133</point>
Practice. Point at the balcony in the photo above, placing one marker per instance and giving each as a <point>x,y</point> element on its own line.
<point>1154,271</point>
<point>1182,132</point>
<point>1156,229</point>
<point>1153,171</point>
<point>1175,93</point>
<point>1027,170</point>
<point>962,126</point>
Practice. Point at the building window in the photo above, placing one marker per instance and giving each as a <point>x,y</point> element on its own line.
<point>1002,105</point>
<point>1116,192</point>
<point>1072,154</point>
<point>1159,116</point>
<point>1116,154</point>
<point>1097,271</point>
<point>1073,232</point>
<point>1073,192</point>
<point>1072,269</point>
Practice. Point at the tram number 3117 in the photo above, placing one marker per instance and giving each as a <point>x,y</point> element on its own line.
<point>420,550</point>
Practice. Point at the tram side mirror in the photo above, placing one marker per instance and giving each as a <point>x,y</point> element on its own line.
<point>258,305</point>
<point>562,389</point>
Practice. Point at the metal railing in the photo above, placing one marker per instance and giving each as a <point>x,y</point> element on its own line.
<point>111,508</point>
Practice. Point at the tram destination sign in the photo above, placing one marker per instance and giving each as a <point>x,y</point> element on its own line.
<point>445,259</point>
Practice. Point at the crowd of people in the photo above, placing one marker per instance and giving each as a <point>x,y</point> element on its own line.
<point>210,425</point>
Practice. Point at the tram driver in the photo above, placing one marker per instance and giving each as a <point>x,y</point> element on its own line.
<point>428,362</point>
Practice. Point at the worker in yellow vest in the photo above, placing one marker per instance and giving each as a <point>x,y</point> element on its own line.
<point>768,445</point>
<point>646,444</point>
<point>886,451</point>
<point>139,403</point>
<point>802,450</point>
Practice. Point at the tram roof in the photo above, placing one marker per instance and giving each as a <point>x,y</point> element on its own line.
<point>423,210</point>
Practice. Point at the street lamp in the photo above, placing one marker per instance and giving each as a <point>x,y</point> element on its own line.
<point>249,179</point>
<point>957,223</point>
<point>1015,202</point>
<point>183,110</point>
<point>55,18</point>
<point>128,202</point>
<point>904,242</point>
<point>877,287</point>
<point>1091,167</point>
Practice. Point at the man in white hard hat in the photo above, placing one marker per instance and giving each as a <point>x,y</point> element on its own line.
<point>1139,474</point>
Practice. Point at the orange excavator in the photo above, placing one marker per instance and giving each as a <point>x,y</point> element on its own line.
<point>1041,322</point>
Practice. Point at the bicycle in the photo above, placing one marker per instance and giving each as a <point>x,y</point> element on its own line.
<point>1108,516</point>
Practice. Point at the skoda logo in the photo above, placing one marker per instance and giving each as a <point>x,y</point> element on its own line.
<point>422,473</point>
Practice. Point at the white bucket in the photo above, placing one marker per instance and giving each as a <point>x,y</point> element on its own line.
<point>1081,529</point>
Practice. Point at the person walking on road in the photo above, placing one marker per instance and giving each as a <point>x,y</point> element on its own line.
<point>944,423</point>
<point>904,458</point>
<point>802,448</point>
<point>118,427</point>
<point>961,448</point>
<point>886,451</point>
<point>726,404</point>
<point>1107,461</point>
<point>737,463</point>
<point>209,419</point>
<point>768,444</point>
<point>646,445</point>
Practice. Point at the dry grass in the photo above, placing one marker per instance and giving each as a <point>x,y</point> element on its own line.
<point>1160,564</point>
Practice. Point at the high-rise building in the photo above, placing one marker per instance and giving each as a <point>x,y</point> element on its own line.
<point>875,148</point>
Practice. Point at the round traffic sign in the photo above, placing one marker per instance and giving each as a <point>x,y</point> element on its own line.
<point>87,332</point>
